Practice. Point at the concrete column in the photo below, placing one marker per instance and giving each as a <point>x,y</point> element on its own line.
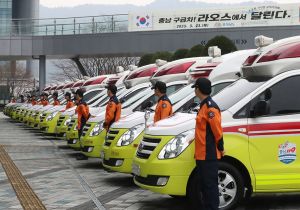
<point>42,72</point>
<point>28,68</point>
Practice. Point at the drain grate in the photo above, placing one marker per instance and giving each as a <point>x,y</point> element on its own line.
<point>28,199</point>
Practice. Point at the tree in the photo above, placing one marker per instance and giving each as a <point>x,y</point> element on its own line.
<point>13,77</point>
<point>146,59</point>
<point>196,51</point>
<point>94,67</point>
<point>225,44</point>
<point>164,55</point>
<point>179,54</point>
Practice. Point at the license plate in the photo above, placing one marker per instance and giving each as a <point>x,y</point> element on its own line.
<point>102,155</point>
<point>136,170</point>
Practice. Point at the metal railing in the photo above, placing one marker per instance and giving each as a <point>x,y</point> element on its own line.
<point>65,26</point>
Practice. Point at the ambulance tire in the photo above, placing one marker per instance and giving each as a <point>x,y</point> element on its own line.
<point>193,192</point>
<point>237,183</point>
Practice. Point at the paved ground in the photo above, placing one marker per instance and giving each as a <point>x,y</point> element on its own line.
<point>61,182</point>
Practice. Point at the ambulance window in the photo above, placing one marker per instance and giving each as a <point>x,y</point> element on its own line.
<point>233,93</point>
<point>282,97</point>
<point>88,96</point>
<point>193,103</point>
<point>242,113</point>
<point>171,89</point>
<point>218,87</point>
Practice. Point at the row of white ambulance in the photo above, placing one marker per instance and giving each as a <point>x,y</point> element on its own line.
<point>256,90</point>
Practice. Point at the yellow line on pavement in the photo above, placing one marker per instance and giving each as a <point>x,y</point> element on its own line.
<point>27,197</point>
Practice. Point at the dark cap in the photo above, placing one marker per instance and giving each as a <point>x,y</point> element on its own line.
<point>161,86</point>
<point>204,85</point>
<point>79,92</point>
<point>55,94</point>
<point>112,88</point>
<point>68,94</point>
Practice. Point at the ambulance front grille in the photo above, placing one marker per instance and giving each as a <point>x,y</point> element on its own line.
<point>146,147</point>
<point>71,124</point>
<point>85,129</point>
<point>110,137</point>
<point>61,120</point>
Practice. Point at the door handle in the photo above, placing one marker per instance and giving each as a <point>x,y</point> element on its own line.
<point>242,130</point>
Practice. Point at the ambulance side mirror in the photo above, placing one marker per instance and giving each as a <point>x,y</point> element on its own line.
<point>147,105</point>
<point>122,100</point>
<point>261,108</point>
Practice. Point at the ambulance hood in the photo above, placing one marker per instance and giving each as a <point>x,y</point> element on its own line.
<point>56,109</point>
<point>100,117</point>
<point>69,112</point>
<point>131,120</point>
<point>172,126</point>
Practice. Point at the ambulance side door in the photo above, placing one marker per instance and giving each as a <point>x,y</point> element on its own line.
<point>274,136</point>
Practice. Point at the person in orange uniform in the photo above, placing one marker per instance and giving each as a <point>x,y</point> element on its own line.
<point>55,100</point>
<point>164,106</point>
<point>209,146</point>
<point>70,103</point>
<point>44,99</point>
<point>113,108</point>
<point>33,100</point>
<point>83,114</point>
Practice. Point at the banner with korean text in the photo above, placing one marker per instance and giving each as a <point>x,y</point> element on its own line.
<point>251,16</point>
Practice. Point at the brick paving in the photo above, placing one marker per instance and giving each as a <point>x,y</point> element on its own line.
<point>62,182</point>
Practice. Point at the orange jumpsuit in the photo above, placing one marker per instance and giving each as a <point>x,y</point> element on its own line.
<point>163,108</point>
<point>208,132</point>
<point>56,103</point>
<point>33,102</point>
<point>69,105</point>
<point>44,102</point>
<point>83,115</point>
<point>113,112</point>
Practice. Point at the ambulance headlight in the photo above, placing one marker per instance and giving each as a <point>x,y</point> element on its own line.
<point>67,122</point>
<point>97,129</point>
<point>75,125</point>
<point>129,136</point>
<point>177,145</point>
<point>51,116</point>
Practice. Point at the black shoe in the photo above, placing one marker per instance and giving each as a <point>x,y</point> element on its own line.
<point>81,157</point>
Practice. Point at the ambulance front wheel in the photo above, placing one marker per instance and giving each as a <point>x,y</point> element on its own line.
<point>231,187</point>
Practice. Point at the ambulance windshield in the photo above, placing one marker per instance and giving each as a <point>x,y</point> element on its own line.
<point>234,93</point>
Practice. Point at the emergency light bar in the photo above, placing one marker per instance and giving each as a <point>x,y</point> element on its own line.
<point>119,69</point>
<point>262,41</point>
<point>214,51</point>
<point>132,67</point>
<point>160,62</point>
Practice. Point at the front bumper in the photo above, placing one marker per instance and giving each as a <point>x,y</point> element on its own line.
<point>167,176</point>
<point>118,158</point>
<point>92,146</point>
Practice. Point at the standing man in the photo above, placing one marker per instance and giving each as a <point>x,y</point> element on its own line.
<point>83,113</point>
<point>33,100</point>
<point>113,108</point>
<point>164,106</point>
<point>55,100</point>
<point>44,99</point>
<point>22,100</point>
<point>70,103</point>
<point>209,146</point>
